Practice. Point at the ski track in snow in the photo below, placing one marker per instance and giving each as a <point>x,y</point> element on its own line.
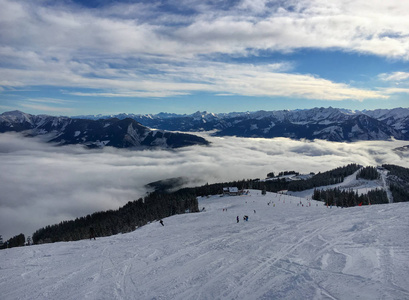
<point>284,251</point>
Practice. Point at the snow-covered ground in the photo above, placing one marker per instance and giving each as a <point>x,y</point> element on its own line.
<point>285,251</point>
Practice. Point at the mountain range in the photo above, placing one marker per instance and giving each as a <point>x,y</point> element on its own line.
<point>119,133</point>
<point>330,124</point>
<point>134,130</point>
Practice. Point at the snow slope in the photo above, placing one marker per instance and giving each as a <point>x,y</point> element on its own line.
<point>285,251</point>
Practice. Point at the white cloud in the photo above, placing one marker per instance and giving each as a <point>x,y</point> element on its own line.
<point>396,90</point>
<point>395,76</point>
<point>50,100</point>
<point>379,28</point>
<point>131,50</point>
<point>47,104</point>
<point>46,108</point>
<point>42,184</point>
<point>191,76</point>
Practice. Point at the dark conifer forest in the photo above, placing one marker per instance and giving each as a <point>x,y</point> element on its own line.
<point>398,178</point>
<point>134,214</point>
<point>369,173</point>
<point>322,179</point>
<point>16,241</point>
<point>344,198</point>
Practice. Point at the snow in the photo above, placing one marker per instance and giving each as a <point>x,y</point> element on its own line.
<point>284,251</point>
<point>325,122</point>
<point>77,133</point>
<point>329,130</point>
<point>101,143</point>
<point>160,142</point>
<point>384,174</point>
<point>356,129</point>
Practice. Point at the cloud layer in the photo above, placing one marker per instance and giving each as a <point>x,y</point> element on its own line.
<point>42,184</point>
<point>166,48</point>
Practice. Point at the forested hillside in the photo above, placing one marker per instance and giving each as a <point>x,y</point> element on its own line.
<point>398,179</point>
<point>369,173</point>
<point>343,198</point>
<point>326,178</point>
<point>15,241</point>
<point>134,214</point>
<point>278,184</point>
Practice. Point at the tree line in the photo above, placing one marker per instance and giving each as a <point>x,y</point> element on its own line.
<point>15,241</point>
<point>134,214</point>
<point>349,198</point>
<point>398,179</point>
<point>256,184</point>
<point>369,173</point>
<point>322,179</point>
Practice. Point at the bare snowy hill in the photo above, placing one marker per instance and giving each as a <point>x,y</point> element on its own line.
<point>289,249</point>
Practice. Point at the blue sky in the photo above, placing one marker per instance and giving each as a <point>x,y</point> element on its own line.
<point>90,57</point>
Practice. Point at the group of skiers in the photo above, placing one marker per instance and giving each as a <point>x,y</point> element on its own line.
<point>245,218</point>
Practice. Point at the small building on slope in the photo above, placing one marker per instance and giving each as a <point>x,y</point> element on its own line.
<point>231,191</point>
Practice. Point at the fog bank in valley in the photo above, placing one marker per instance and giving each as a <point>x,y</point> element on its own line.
<point>42,184</point>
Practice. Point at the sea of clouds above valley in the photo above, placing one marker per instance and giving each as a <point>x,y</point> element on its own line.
<point>43,184</point>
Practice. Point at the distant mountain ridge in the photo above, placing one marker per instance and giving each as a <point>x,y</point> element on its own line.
<point>332,124</point>
<point>119,133</point>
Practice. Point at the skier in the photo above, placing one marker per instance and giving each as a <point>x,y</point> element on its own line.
<point>91,233</point>
<point>161,222</point>
<point>237,219</point>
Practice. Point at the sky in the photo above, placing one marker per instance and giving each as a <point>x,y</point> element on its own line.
<point>42,184</point>
<point>72,57</point>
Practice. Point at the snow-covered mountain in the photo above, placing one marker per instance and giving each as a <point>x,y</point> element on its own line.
<point>398,118</point>
<point>331,124</point>
<point>120,133</point>
<point>284,251</point>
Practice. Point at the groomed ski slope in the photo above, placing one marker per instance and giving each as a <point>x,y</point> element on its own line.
<point>284,251</point>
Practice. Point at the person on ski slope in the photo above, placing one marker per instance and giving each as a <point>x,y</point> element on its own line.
<point>91,233</point>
